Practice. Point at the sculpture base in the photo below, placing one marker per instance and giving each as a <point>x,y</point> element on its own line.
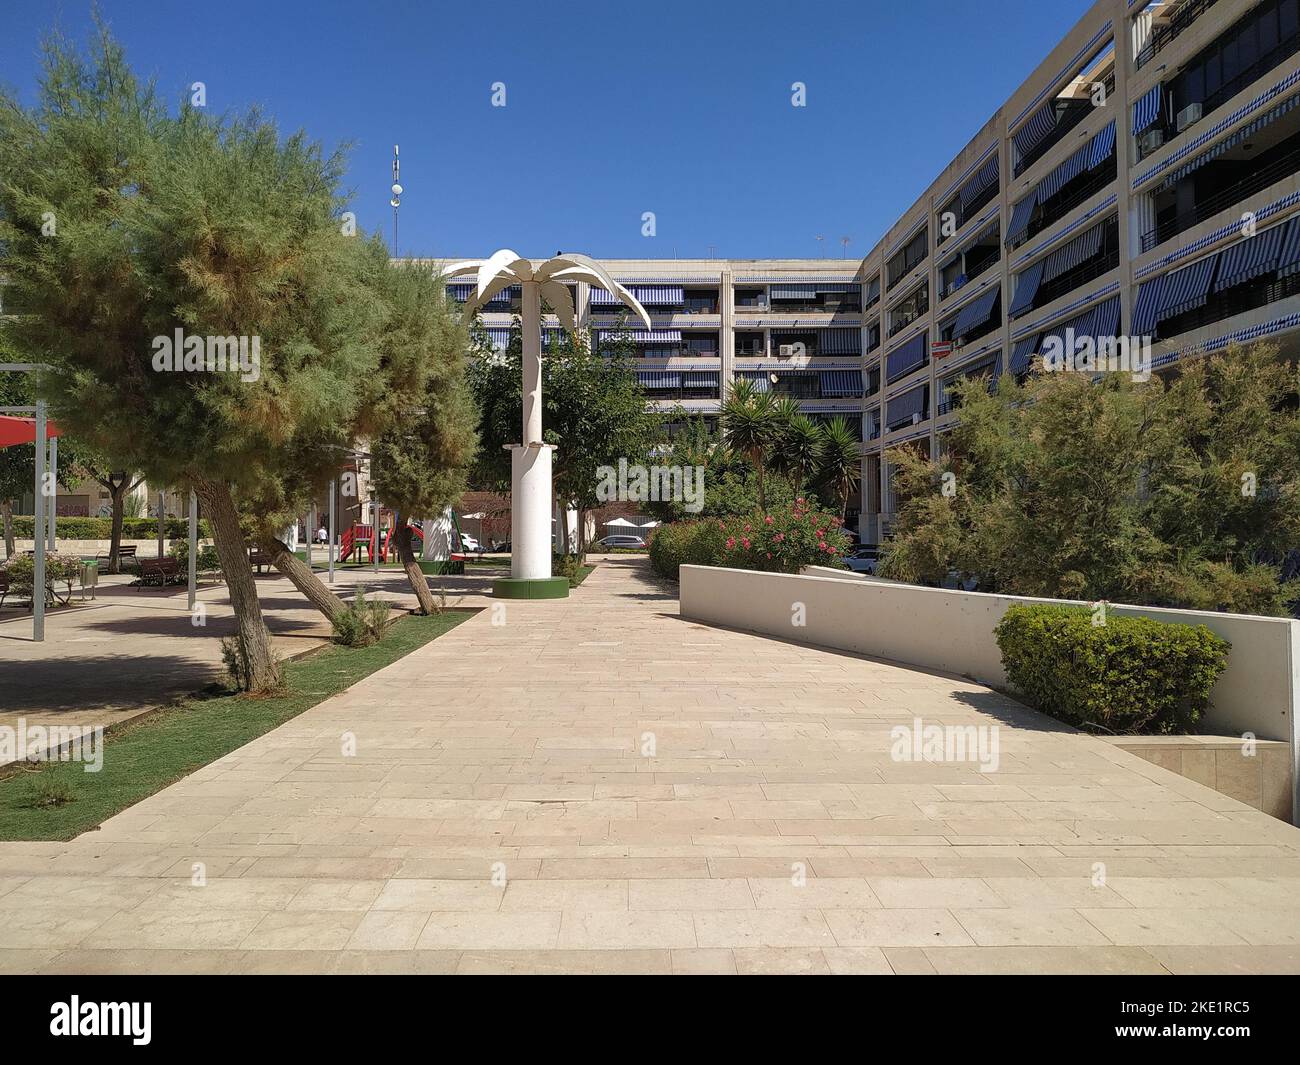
<point>441,567</point>
<point>531,588</point>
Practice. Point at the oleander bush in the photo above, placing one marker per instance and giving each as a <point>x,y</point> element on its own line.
<point>1127,675</point>
<point>59,569</point>
<point>686,543</point>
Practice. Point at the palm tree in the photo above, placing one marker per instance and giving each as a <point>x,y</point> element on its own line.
<point>801,447</point>
<point>750,425</point>
<point>840,467</point>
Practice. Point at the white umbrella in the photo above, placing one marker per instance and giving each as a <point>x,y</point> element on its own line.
<point>649,525</point>
<point>622,523</point>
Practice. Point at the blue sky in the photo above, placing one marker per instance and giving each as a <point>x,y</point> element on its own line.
<point>679,107</point>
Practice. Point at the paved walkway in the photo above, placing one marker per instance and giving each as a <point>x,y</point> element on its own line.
<point>505,810</point>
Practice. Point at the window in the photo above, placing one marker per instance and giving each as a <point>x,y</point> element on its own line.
<point>909,257</point>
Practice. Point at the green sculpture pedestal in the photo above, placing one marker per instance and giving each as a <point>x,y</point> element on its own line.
<point>531,588</point>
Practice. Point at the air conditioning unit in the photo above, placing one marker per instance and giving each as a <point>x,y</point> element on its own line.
<point>1149,141</point>
<point>1189,114</point>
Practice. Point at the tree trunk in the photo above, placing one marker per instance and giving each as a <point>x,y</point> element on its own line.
<point>414,574</point>
<point>162,524</point>
<point>117,497</point>
<point>260,669</point>
<point>582,534</point>
<point>7,515</point>
<point>301,577</point>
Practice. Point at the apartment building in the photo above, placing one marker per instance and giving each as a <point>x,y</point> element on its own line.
<point>1144,181</point>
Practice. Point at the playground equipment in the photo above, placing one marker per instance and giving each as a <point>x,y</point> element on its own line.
<point>356,539</point>
<point>437,544</point>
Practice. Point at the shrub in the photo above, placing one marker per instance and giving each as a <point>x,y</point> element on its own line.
<point>569,566</point>
<point>1127,675</point>
<point>784,541</point>
<point>59,569</point>
<point>363,621</point>
<point>46,791</point>
<point>685,543</point>
<point>73,528</point>
<point>208,562</point>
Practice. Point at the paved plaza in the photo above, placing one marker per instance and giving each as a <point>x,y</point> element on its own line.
<point>659,796</point>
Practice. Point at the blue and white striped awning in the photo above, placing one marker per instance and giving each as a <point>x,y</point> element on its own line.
<point>654,295</point>
<point>1022,355</point>
<point>841,383</point>
<point>643,336</point>
<point>1250,258</point>
<point>1288,261</point>
<point>461,290</point>
<point>908,357</point>
<point>839,341</point>
<point>1146,112</point>
<point>659,378</point>
<point>700,378</point>
<point>977,312</point>
<point>1096,322</point>
<point>873,292</point>
<point>1146,309</point>
<point>1102,146</point>
<point>907,406</point>
<point>1091,155</point>
<point>1188,288</point>
<point>1245,133</point>
<point>499,336</point>
<point>1027,282</point>
<point>985,178</point>
<point>757,378</point>
<point>506,295</point>
<point>1021,215</point>
<point>1036,129</point>
<point>1079,250</point>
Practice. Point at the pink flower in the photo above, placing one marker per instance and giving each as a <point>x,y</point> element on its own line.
<point>800,501</point>
<point>780,537</point>
<point>731,543</point>
<point>768,519</point>
<point>747,527</point>
<point>746,543</point>
<point>769,556</point>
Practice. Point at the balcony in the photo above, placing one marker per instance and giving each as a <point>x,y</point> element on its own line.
<point>1282,167</point>
<point>1071,196</point>
<point>1165,33</point>
<point>972,272</point>
<point>1050,291</point>
<point>1227,304</point>
<point>1075,112</point>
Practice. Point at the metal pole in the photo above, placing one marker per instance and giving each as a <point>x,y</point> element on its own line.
<point>194,550</point>
<point>162,522</point>
<point>54,488</point>
<point>38,569</point>
<point>329,551</point>
<point>374,531</point>
<point>311,532</point>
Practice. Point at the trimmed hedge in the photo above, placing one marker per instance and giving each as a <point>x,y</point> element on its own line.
<point>1130,675</point>
<point>102,528</point>
<point>686,543</point>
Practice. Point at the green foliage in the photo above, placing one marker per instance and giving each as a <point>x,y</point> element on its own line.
<point>208,561</point>
<point>363,621</point>
<point>1184,494</point>
<point>569,566</point>
<point>1127,675</point>
<point>686,543</point>
<point>784,541</point>
<point>59,569</point>
<point>48,791</point>
<point>101,528</point>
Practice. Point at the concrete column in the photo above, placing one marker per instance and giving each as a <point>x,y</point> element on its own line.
<point>530,511</point>
<point>531,322</point>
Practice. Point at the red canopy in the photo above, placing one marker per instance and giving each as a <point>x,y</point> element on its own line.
<point>22,430</point>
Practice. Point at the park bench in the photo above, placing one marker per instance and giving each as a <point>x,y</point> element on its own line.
<point>160,571</point>
<point>125,557</point>
<point>259,558</point>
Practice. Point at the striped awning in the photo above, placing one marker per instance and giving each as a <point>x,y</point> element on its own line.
<point>873,291</point>
<point>1146,111</point>
<point>1245,133</point>
<point>1022,355</point>
<point>656,295</point>
<point>977,312</point>
<point>500,337</point>
<point>1288,261</point>
<point>700,378</point>
<point>1188,288</point>
<point>908,405</point>
<point>984,179</point>
<point>461,290</point>
<point>793,292</point>
<point>839,341</point>
<point>507,295</point>
<point>1146,309</point>
<point>991,366</point>
<point>1096,322</point>
<point>1102,146</point>
<point>1036,129</point>
<point>644,336</point>
<point>841,383</point>
<point>1027,282</point>
<point>659,378</point>
<point>1021,215</point>
<point>1079,250</point>
<point>1075,165</point>
<point>908,357</point>
<point>1250,258</point>
<point>758,378</point>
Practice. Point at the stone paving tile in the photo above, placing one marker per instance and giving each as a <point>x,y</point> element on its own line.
<point>500,817</point>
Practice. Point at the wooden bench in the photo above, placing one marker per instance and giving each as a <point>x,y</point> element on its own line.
<point>160,571</point>
<point>125,555</point>
<point>259,558</point>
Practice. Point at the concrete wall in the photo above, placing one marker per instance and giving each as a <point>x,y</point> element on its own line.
<point>952,632</point>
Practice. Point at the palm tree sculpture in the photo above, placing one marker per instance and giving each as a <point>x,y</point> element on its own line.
<point>530,467</point>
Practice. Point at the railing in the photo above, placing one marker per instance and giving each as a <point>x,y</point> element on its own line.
<point>1165,34</point>
<point>908,318</point>
<point>970,275</point>
<point>1212,205</point>
<point>1072,279</point>
<point>946,407</point>
<point>908,265</point>
<point>965,214</point>
<point>1076,192</point>
<point>1075,113</point>
<point>1219,307</point>
<point>1225,92</point>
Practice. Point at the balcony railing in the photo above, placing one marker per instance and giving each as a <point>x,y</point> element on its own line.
<point>1224,198</point>
<point>962,280</point>
<point>1053,290</point>
<point>908,317</point>
<point>1165,34</point>
<point>1075,193</point>
<point>1075,114</point>
<point>1230,303</point>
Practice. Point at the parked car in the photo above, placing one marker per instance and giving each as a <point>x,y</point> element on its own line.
<point>863,559</point>
<point>469,543</point>
<point>621,540</point>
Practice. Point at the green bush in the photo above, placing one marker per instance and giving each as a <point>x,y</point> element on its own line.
<point>209,561</point>
<point>59,569</point>
<point>685,543</point>
<point>1127,675</point>
<point>569,566</point>
<point>783,541</point>
<point>363,621</point>
<point>102,528</point>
